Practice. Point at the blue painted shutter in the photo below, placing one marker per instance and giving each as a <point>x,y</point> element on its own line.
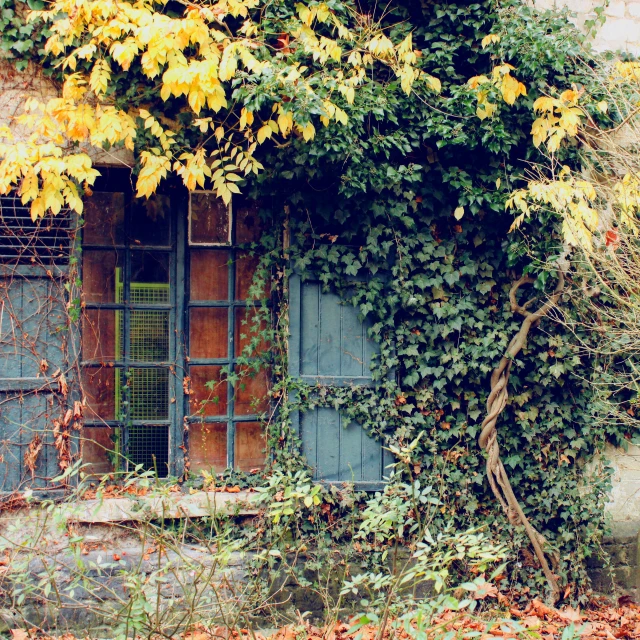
<point>32,330</point>
<point>329,346</point>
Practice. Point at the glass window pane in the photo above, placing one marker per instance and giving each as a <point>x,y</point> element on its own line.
<point>208,335</point>
<point>209,275</point>
<point>102,276</point>
<point>208,446</point>
<point>251,392</point>
<point>247,334</point>
<point>147,393</point>
<point>246,266</point>
<point>148,445</point>
<point>248,225</point>
<point>99,385</point>
<point>151,221</point>
<point>208,219</point>
<point>99,450</point>
<point>208,395</point>
<point>149,336</point>
<point>104,219</point>
<point>150,277</point>
<point>250,446</point>
<point>102,335</point>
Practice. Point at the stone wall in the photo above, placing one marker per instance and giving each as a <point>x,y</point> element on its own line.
<point>16,87</point>
<point>620,32</point>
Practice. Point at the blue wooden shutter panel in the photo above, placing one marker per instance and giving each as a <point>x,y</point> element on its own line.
<point>31,318</point>
<point>34,259</point>
<point>329,346</point>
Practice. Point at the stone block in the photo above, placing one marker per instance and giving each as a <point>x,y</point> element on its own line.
<point>634,10</point>
<point>580,7</point>
<point>619,34</point>
<point>616,8</point>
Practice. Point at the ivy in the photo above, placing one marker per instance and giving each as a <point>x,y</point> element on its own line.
<point>370,211</point>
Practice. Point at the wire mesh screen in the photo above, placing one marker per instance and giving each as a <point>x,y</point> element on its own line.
<point>149,336</point>
<point>144,392</point>
<point>149,293</point>
<point>148,394</point>
<point>148,445</point>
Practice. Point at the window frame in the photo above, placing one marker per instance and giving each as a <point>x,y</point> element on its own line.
<point>233,305</point>
<point>116,181</point>
<point>179,418</point>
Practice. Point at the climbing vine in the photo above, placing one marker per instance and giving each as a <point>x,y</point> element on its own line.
<point>402,212</point>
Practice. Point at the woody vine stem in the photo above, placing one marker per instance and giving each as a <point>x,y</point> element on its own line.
<point>496,403</point>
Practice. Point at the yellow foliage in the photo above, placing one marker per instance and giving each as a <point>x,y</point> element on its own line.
<point>100,76</point>
<point>561,118</point>
<point>192,58</point>
<point>264,133</point>
<point>574,200</point>
<point>491,38</point>
<point>501,80</point>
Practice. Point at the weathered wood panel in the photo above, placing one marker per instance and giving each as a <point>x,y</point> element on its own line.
<point>329,347</point>
<point>32,345</point>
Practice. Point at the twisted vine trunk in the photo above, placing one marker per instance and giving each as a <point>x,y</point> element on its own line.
<point>496,403</point>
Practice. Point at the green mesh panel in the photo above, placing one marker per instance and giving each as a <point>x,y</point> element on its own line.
<point>149,446</point>
<point>147,389</point>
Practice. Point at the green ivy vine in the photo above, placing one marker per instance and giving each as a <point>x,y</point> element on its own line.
<point>369,211</point>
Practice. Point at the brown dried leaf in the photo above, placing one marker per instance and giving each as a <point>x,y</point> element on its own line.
<point>485,590</point>
<point>570,615</point>
<point>32,453</point>
<point>62,385</point>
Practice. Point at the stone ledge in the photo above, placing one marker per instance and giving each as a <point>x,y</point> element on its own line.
<point>173,505</point>
<point>107,511</point>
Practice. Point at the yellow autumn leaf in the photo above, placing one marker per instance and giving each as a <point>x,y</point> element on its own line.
<point>100,76</point>
<point>434,83</point>
<point>491,38</point>
<point>264,133</point>
<point>545,104</point>
<point>308,131</point>
<point>246,118</point>
<point>476,81</point>
<point>285,122</point>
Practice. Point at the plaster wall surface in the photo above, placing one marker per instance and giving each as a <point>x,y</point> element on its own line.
<point>620,32</point>
<point>16,87</point>
<point>624,506</point>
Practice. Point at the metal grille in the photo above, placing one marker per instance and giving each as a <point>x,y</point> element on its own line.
<point>149,394</point>
<point>147,390</point>
<point>149,446</point>
<point>149,336</point>
<point>149,293</point>
<point>24,242</point>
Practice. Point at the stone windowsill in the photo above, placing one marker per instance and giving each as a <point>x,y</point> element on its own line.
<point>172,505</point>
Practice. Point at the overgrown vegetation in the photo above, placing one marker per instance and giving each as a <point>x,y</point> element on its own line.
<point>401,209</point>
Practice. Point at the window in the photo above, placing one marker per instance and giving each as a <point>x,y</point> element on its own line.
<point>34,263</point>
<point>166,283</point>
<point>128,348</point>
<point>223,420</point>
<point>44,242</point>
